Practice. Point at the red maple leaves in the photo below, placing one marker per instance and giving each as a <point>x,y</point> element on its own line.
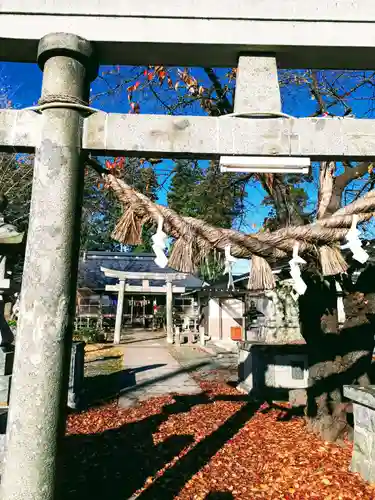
<point>190,446</point>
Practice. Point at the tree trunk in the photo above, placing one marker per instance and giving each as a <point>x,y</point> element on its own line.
<point>287,212</point>
<point>337,357</point>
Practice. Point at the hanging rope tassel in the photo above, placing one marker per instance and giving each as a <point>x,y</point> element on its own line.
<point>261,276</point>
<point>182,255</point>
<point>128,229</point>
<point>332,261</point>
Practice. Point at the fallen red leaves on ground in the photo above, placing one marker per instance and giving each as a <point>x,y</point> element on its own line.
<point>189,447</point>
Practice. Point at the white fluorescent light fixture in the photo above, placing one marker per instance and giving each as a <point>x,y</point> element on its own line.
<point>265,164</point>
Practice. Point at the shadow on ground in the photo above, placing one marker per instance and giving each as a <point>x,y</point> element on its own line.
<point>103,387</point>
<point>116,463</point>
<point>131,340</point>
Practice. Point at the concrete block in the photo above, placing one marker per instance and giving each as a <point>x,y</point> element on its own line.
<point>298,397</point>
<point>272,367</point>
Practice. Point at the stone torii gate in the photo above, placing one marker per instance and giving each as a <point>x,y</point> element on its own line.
<point>123,287</point>
<point>258,36</point>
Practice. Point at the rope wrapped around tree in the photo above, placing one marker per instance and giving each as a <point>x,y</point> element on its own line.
<point>195,239</point>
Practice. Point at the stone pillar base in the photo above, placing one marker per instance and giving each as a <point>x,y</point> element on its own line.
<point>363,457</point>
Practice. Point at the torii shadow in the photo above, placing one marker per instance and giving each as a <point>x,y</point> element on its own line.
<point>120,461</point>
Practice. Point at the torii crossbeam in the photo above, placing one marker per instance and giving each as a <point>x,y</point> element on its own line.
<point>315,34</point>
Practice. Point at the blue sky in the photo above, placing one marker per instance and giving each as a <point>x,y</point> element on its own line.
<point>22,83</point>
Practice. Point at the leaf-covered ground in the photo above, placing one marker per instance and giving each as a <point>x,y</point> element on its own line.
<point>212,446</point>
<point>100,351</point>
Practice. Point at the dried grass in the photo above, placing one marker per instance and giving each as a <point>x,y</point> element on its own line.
<point>128,229</point>
<point>332,261</point>
<point>182,257</point>
<point>261,276</point>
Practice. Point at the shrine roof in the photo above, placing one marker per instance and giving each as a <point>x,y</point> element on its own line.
<point>91,276</point>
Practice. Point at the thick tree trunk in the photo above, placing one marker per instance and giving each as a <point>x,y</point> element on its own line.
<point>336,357</point>
<point>287,212</point>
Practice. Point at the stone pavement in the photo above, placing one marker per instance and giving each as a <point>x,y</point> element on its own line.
<point>151,370</point>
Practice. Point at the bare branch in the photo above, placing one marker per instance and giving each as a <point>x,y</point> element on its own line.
<point>341,182</point>
<point>226,106</point>
<point>326,183</point>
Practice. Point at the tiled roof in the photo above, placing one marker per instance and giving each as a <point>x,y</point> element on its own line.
<point>90,275</point>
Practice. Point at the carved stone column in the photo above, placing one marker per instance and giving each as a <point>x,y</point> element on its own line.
<point>38,400</point>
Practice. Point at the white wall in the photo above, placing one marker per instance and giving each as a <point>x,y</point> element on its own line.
<point>222,316</point>
<point>214,316</point>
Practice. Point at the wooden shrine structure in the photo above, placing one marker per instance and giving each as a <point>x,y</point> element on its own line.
<point>123,287</point>
<point>69,41</point>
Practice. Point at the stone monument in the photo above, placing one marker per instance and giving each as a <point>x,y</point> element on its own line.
<point>273,356</point>
<point>273,316</point>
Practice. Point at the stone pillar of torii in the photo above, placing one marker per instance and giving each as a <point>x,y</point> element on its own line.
<point>63,129</point>
<point>122,286</point>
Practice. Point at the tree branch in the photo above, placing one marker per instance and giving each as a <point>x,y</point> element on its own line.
<point>341,182</point>
<point>326,183</point>
<point>314,87</point>
<point>227,107</point>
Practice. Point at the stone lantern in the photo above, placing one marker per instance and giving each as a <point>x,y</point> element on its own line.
<point>10,242</point>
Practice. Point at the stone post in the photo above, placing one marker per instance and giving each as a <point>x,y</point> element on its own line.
<point>37,414</point>
<point>257,85</point>
<point>363,455</point>
<point>76,375</point>
<point>119,312</point>
<point>202,339</point>
<point>169,311</point>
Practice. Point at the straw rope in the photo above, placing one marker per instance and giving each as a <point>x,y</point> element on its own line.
<point>195,238</point>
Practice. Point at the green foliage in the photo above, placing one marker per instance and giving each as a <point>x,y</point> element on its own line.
<point>146,245</point>
<point>89,335</point>
<point>185,181</point>
<point>102,210</point>
<point>212,267</point>
<point>16,182</point>
<point>296,199</point>
<point>206,193</point>
<point>209,195</point>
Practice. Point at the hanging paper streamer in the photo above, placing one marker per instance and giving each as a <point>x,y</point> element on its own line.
<point>340,304</point>
<point>229,261</point>
<point>298,284</point>
<point>354,243</point>
<point>159,245</point>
